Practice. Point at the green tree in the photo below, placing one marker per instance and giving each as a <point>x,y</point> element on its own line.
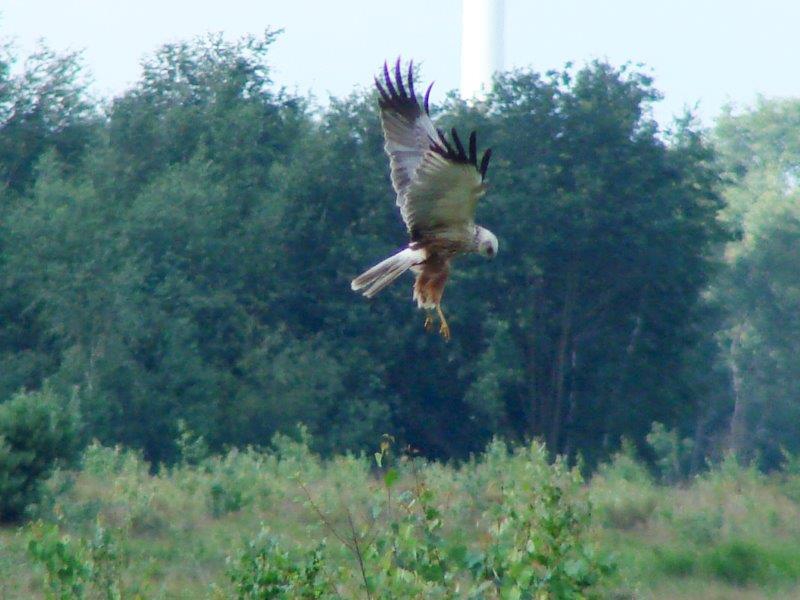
<point>38,431</point>
<point>44,110</point>
<point>166,270</point>
<point>608,232</point>
<point>194,265</point>
<point>761,149</point>
<point>43,107</point>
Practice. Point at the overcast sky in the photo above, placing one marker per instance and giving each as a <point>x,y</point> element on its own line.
<point>701,51</point>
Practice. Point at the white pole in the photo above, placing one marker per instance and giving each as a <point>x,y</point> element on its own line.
<point>481,45</point>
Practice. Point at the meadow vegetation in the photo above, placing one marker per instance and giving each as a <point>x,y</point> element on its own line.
<point>511,522</point>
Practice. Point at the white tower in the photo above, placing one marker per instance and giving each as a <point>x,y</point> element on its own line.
<point>481,45</point>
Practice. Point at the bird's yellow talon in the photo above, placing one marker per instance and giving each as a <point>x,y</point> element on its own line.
<point>444,328</point>
<point>428,323</point>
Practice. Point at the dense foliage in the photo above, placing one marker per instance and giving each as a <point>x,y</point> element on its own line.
<point>183,253</point>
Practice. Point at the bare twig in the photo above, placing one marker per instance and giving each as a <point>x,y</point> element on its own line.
<point>323,518</point>
<point>351,544</point>
<point>359,556</point>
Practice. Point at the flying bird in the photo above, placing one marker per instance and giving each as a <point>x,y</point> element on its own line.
<point>438,184</point>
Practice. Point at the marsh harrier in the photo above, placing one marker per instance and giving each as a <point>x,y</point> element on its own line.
<point>438,183</point>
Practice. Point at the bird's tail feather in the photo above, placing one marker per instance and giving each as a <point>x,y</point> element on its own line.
<point>385,272</point>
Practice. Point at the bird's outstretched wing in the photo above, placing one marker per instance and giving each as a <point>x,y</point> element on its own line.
<point>437,183</point>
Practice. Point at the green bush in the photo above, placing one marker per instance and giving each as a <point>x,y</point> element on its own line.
<point>673,454</point>
<point>124,492</point>
<point>38,430</point>
<point>192,447</point>
<point>405,539</point>
<point>236,480</point>
<point>790,475</point>
<point>77,567</point>
<point>701,527</point>
<point>745,562</point>
<point>623,491</point>
<point>678,561</point>
<point>265,570</point>
<point>737,561</point>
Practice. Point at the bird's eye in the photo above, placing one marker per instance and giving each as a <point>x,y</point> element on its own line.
<point>490,251</point>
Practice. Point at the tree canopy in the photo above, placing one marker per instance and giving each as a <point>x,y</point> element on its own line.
<point>183,253</point>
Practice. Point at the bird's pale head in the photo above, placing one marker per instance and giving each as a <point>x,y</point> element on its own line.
<point>486,242</point>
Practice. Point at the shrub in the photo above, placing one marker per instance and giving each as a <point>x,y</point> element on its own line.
<point>625,466</point>
<point>701,526</point>
<point>106,463</point>
<point>265,569</point>
<point>538,530</point>
<point>192,448</point>
<point>790,475</point>
<point>38,430</point>
<point>678,561</point>
<point>408,541</point>
<point>673,454</point>
<point>737,561</point>
<point>236,480</point>
<point>75,566</point>
<point>623,491</point>
<point>129,495</point>
<point>741,561</point>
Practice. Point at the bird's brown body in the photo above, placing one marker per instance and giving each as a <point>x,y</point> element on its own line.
<point>431,277</point>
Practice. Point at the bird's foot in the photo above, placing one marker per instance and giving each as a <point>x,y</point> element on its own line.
<point>444,328</point>
<point>428,323</point>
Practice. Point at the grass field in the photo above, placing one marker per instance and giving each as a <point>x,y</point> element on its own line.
<point>508,524</point>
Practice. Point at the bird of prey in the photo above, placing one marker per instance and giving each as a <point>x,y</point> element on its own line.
<point>438,183</point>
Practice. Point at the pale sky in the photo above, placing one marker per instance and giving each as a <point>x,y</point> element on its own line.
<point>700,52</point>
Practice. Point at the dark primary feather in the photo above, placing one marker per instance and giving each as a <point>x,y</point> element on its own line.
<point>406,104</point>
<point>411,80</point>
<point>384,96</point>
<point>462,156</point>
<point>452,153</point>
<point>396,98</point>
<point>473,148</point>
<point>399,78</point>
<point>485,163</point>
<point>388,79</point>
<point>458,154</point>
<point>425,101</point>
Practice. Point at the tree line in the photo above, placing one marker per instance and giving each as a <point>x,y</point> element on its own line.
<point>181,254</point>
